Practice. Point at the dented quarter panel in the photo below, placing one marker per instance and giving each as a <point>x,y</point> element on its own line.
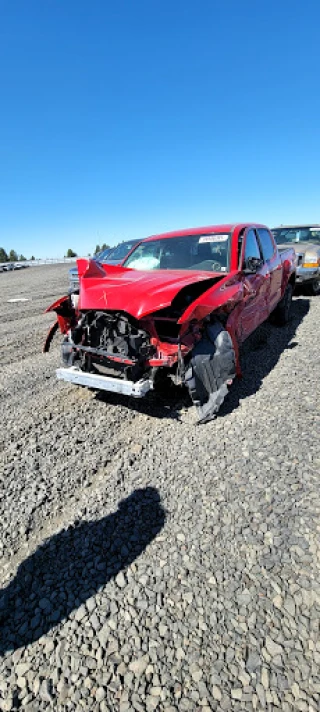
<point>65,316</point>
<point>227,292</point>
<point>57,305</point>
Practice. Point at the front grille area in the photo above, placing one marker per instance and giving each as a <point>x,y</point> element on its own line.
<point>115,333</point>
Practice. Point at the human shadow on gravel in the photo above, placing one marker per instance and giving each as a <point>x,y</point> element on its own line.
<point>73,565</point>
<point>258,356</point>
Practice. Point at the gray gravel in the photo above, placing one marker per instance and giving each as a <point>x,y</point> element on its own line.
<point>148,563</point>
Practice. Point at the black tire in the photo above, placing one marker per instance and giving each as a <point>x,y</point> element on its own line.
<point>281,314</point>
<point>314,287</point>
<point>211,369</point>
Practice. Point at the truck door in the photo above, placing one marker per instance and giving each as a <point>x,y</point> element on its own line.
<point>272,258</point>
<point>256,286</point>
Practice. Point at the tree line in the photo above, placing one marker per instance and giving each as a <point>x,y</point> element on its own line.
<point>101,249</point>
<point>12,256</point>
<point>71,253</point>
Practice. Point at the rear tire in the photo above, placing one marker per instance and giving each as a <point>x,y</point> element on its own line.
<point>281,314</point>
<point>211,369</point>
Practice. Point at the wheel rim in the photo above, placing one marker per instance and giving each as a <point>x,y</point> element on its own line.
<point>315,286</point>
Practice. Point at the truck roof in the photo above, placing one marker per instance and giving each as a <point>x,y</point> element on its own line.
<point>229,227</point>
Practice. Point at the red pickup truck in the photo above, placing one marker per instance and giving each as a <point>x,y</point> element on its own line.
<point>178,308</point>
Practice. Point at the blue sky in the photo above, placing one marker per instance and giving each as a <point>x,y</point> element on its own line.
<point>125,119</point>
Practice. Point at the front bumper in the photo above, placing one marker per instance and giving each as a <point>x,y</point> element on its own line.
<point>306,274</point>
<point>137,389</point>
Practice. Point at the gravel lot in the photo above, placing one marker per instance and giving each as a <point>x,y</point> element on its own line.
<point>148,563</point>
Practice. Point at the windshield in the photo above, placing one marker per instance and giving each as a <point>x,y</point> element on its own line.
<point>120,251</point>
<point>207,253</point>
<point>297,234</point>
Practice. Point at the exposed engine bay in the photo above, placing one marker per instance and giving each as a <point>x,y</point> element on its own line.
<point>108,343</point>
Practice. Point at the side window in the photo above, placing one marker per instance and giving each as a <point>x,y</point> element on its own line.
<point>252,248</point>
<point>266,243</point>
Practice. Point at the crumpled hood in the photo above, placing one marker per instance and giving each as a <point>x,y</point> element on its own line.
<point>137,293</point>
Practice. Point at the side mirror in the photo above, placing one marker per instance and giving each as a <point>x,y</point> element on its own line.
<point>252,265</point>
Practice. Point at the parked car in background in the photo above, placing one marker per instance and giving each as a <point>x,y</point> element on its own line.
<point>7,266</point>
<point>177,309</point>
<point>10,266</point>
<point>111,256</point>
<point>305,239</point>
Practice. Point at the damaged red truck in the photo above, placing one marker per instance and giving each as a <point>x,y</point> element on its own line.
<point>178,308</point>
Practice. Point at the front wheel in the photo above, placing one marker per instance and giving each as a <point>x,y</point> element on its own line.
<point>281,314</point>
<point>210,370</point>
<point>314,287</point>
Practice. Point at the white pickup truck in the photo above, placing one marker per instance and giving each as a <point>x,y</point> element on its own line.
<point>305,239</point>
